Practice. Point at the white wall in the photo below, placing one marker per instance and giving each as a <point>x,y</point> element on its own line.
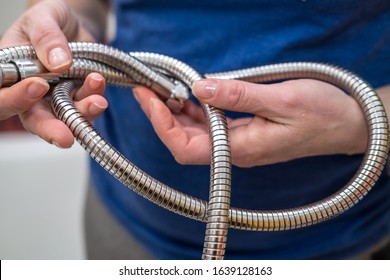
<point>42,189</point>
<point>9,11</point>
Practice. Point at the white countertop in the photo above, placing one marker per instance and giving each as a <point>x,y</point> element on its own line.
<point>42,191</point>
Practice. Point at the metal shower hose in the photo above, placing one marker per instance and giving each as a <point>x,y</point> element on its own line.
<point>171,79</point>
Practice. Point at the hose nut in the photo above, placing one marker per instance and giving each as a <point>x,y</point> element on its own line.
<point>9,74</point>
<point>34,68</point>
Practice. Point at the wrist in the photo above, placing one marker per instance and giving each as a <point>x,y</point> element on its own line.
<point>356,133</point>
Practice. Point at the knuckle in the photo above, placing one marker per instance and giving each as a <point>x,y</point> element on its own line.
<point>3,116</point>
<point>45,36</point>
<point>40,129</point>
<point>27,128</point>
<point>289,97</point>
<point>45,33</point>
<point>237,92</point>
<point>57,10</point>
<point>251,152</point>
<point>66,20</point>
<point>180,158</point>
<point>16,107</point>
<point>182,155</point>
<point>243,161</point>
<point>26,123</point>
<point>11,107</point>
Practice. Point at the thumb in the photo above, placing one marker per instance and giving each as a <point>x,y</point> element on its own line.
<point>230,95</point>
<point>51,25</point>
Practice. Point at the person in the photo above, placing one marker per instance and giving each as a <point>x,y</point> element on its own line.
<point>302,139</point>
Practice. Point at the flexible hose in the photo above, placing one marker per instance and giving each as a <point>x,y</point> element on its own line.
<point>127,69</point>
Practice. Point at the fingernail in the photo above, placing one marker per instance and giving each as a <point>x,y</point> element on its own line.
<point>58,57</point>
<point>57,145</point>
<point>204,88</point>
<point>96,82</point>
<point>37,89</point>
<point>95,108</point>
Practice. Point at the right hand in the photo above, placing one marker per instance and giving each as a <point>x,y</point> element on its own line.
<point>48,26</point>
<point>289,120</point>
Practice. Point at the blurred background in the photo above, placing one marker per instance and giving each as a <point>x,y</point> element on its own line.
<point>42,188</point>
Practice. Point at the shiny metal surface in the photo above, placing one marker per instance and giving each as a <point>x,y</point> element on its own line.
<point>9,74</point>
<point>34,68</point>
<point>163,73</point>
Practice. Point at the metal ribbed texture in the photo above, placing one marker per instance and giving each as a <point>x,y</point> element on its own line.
<point>217,212</point>
<point>220,178</point>
<point>82,67</point>
<point>18,52</point>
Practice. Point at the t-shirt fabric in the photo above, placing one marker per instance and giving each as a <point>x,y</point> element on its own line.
<point>232,34</point>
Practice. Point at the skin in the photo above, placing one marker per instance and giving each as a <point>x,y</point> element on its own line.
<point>48,26</point>
<point>290,120</point>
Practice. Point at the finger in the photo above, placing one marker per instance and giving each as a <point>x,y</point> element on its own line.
<point>233,123</point>
<point>246,133</point>
<point>187,140</point>
<point>92,106</point>
<point>160,116</point>
<point>93,84</point>
<point>49,34</point>
<point>143,96</point>
<point>88,99</point>
<point>186,148</point>
<point>21,96</point>
<point>41,121</point>
<point>236,95</point>
<point>193,111</point>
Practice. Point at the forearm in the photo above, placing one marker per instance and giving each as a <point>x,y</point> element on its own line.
<point>93,14</point>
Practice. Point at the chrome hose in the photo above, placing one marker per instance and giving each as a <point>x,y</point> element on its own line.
<point>171,79</point>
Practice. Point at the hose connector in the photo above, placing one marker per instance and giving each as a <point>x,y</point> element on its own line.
<point>9,74</point>
<point>19,69</point>
<point>180,94</point>
<point>173,92</point>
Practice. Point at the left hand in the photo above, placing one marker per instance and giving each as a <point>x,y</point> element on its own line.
<point>48,26</point>
<point>292,119</point>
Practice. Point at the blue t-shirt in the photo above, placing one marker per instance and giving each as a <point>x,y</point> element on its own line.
<point>225,35</point>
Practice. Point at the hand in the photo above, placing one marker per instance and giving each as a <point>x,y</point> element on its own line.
<point>292,119</point>
<point>48,26</point>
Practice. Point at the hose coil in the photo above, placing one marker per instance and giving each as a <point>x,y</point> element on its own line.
<point>172,78</point>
